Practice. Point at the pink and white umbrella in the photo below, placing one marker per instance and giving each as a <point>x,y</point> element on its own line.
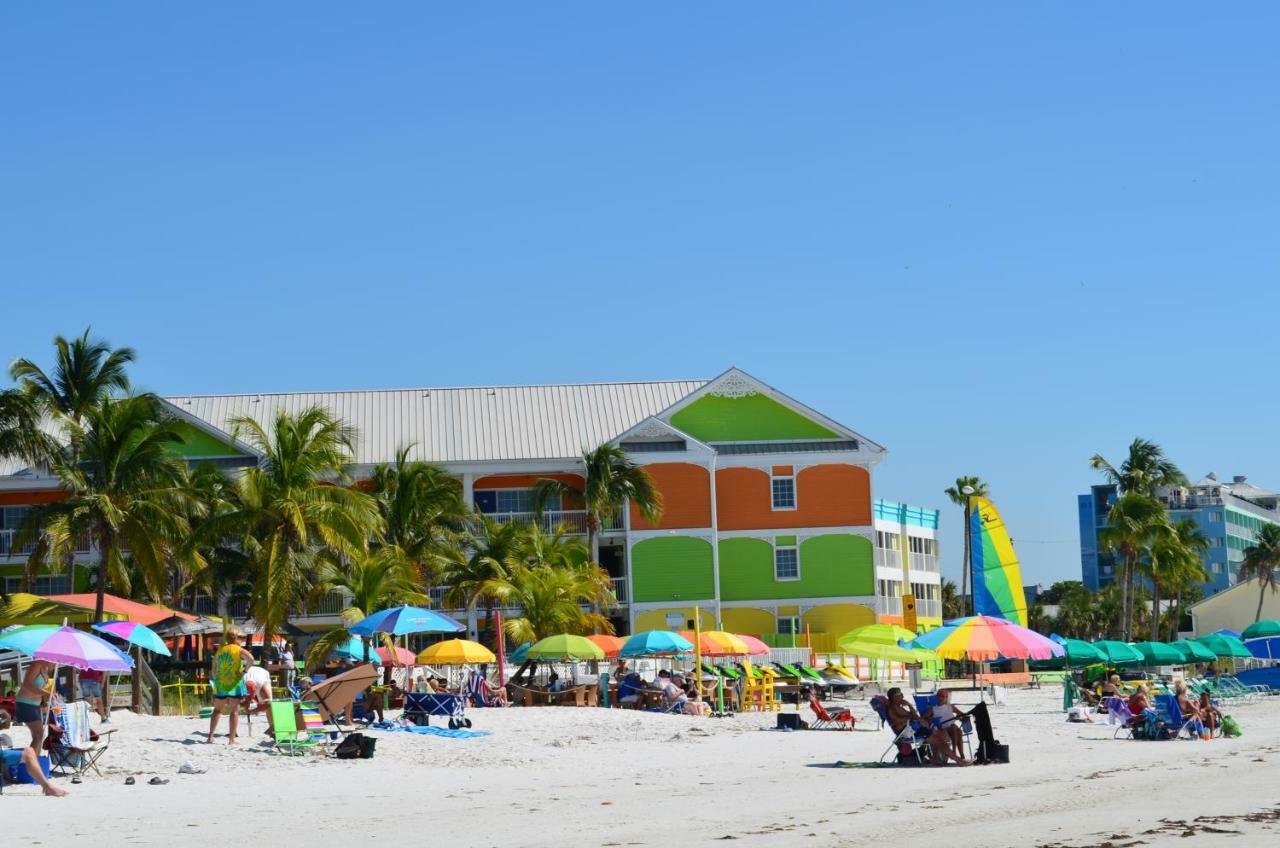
<point>65,646</point>
<point>402,658</point>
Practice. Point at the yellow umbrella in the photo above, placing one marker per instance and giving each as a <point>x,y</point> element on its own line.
<point>729,644</point>
<point>456,652</point>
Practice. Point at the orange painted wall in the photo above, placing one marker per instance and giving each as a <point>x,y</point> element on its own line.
<point>527,481</point>
<point>686,496</point>
<point>826,496</point>
<point>24,498</point>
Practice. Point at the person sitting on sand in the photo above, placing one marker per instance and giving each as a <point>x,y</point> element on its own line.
<point>226,673</point>
<point>1210,715</point>
<point>36,689</point>
<point>901,714</point>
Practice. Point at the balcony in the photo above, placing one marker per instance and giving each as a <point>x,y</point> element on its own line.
<point>573,520</point>
<point>887,558</point>
<point>9,551</point>
<point>924,562</point>
<point>619,589</point>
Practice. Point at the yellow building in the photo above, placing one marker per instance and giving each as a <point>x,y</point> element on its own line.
<point>1233,609</point>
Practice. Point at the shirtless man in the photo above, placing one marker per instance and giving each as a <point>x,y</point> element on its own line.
<point>901,714</point>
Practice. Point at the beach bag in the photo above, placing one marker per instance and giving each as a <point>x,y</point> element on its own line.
<point>1231,727</point>
<point>367,744</point>
<point>350,747</point>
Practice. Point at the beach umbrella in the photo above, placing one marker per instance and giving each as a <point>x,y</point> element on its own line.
<point>889,634</point>
<point>656,643</point>
<point>401,658</point>
<point>1077,653</point>
<point>1225,632</point>
<point>456,652</point>
<point>1265,647</point>
<point>1266,627</point>
<point>65,646</point>
<point>717,643</point>
<point>754,645</point>
<point>983,638</point>
<point>1158,653</point>
<point>884,652</point>
<point>135,634</point>
<point>611,645</point>
<point>1192,651</point>
<point>1118,653</point>
<point>1225,646</point>
<point>520,654</point>
<point>565,646</point>
<point>402,620</point>
<point>354,649</point>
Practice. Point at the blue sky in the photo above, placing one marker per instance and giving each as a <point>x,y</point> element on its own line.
<point>994,238</point>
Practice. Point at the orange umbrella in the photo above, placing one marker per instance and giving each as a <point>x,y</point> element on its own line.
<point>717,643</point>
<point>611,645</point>
<point>754,645</point>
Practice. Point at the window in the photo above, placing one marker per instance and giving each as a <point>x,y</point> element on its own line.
<point>1215,517</point>
<point>890,588</point>
<point>921,545</point>
<point>48,585</point>
<point>510,500</point>
<point>786,559</point>
<point>886,541</point>
<point>784,492</point>
<point>788,625</point>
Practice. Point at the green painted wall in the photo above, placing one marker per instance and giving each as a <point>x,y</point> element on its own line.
<point>831,565</point>
<point>754,418</point>
<point>199,443</point>
<point>672,565</point>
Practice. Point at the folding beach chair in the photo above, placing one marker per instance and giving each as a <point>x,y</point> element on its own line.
<point>480,693</point>
<point>1118,713</point>
<point>1186,728</point>
<point>284,722</point>
<point>906,743</point>
<point>420,706</point>
<point>823,720</point>
<point>332,695</point>
<point>72,745</point>
<point>924,703</point>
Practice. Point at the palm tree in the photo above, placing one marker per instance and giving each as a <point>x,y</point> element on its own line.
<point>86,372</point>
<point>1185,561</point>
<point>952,603</point>
<point>960,498</point>
<point>475,571</point>
<point>1134,525</point>
<point>1261,559</point>
<point>422,511</point>
<point>552,599</point>
<point>125,490</point>
<point>1144,470</point>
<point>374,581</point>
<point>611,480</point>
<point>291,516</point>
<point>21,436</point>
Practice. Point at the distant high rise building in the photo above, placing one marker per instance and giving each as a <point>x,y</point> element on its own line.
<point>1228,514</point>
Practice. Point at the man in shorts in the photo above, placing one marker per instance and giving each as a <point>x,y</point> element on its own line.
<point>226,673</point>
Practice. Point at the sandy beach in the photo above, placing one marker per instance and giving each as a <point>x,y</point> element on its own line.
<point>548,777</point>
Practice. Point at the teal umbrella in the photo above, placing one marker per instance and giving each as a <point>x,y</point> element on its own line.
<point>1078,653</point>
<point>1266,627</point>
<point>354,649</point>
<point>1225,646</point>
<point>1119,653</point>
<point>1158,653</point>
<point>1193,652</point>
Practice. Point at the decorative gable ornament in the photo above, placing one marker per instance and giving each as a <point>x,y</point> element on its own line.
<point>651,430</point>
<point>733,385</point>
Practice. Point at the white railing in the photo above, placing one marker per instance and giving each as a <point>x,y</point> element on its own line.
<point>574,520</point>
<point>887,558</point>
<point>889,606</point>
<point>929,608</point>
<point>7,548</point>
<point>924,562</point>
<point>619,589</point>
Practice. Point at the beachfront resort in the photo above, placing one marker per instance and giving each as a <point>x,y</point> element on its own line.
<point>464,588</point>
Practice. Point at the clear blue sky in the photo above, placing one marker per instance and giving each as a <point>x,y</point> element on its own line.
<point>995,238</point>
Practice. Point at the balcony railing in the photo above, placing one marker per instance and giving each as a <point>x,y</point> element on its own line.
<point>574,520</point>
<point>886,558</point>
<point>889,606</point>
<point>925,608</point>
<point>924,562</point>
<point>8,550</point>
<point>620,589</point>
<point>331,604</point>
<point>238,607</point>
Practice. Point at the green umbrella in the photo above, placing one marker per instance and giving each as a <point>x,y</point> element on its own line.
<point>1266,627</point>
<point>1158,653</point>
<point>1119,653</point>
<point>1193,651</point>
<point>1223,645</point>
<point>886,634</point>
<point>565,647</point>
<point>886,652</point>
<point>1078,653</point>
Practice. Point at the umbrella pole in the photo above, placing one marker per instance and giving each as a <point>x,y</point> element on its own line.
<point>697,648</point>
<point>502,653</point>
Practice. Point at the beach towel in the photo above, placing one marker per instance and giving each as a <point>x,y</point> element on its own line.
<point>427,730</point>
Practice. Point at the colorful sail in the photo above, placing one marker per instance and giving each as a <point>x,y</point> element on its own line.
<point>997,578</point>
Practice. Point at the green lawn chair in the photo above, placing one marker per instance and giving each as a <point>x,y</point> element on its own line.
<point>284,725</point>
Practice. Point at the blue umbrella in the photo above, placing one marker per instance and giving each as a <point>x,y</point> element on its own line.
<point>135,634</point>
<point>1235,634</point>
<point>1264,647</point>
<point>655,643</point>
<point>354,649</point>
<point>399,621</point>
<point>521,653</point>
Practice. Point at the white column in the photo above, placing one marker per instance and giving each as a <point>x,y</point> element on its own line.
<point>715,542</point>
<point>626,568</point>
<point>468,494</point>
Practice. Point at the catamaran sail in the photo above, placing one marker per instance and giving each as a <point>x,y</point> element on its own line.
<point>997,578</point>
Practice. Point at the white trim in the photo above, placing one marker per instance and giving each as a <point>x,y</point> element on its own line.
<point>805,604</point>
<point>210,430</point>
<point>795,491</point>
<point>776,548</point>
<point>805,532</point>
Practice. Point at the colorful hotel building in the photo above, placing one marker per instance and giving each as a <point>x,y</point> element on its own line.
<point>769,526</point>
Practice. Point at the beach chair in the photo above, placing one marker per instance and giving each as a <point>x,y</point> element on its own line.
<point>906,743</point>
<point>823,720</point>
<point>72,745</point>
<point>1186,728</point>
<point>1118,713</point>
<point>924,703</point>
<point>284,723</point>
<point>480,693</point>
<point>758,692</point>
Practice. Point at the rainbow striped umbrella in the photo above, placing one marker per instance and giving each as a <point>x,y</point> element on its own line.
<point>135,634</point>
<point>983,638</point>
<point>65,646</point>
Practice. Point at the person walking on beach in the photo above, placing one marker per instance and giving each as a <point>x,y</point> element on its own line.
<point>227,675</point>
<point>29,706</point>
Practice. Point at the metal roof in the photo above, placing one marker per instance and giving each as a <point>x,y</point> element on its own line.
<point>464,424</point>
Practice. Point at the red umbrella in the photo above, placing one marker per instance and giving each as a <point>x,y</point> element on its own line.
<point>402,657</point>
<point>758,648</point>
<point>611,645</point>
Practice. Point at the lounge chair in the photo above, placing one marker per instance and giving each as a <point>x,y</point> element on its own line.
<point>333,694</point>
<point>823,720</point>
<point>1118,713</point>
<point>72,744</point>
<point>284,723</point>
<point>1187,728</point>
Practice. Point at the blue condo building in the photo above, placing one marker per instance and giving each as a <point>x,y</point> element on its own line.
<point>1229,515</point>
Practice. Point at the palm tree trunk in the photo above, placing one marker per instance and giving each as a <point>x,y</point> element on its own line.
<point>1155,609</point>
<point>1173,623</point>
<point>1262,596</point>
<point>104,548</point>
<point>1124,599</point>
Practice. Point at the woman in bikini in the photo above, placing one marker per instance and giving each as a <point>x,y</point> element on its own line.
<point>32,695</point>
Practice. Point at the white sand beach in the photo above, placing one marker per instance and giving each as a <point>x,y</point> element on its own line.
<point>563,776</point>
